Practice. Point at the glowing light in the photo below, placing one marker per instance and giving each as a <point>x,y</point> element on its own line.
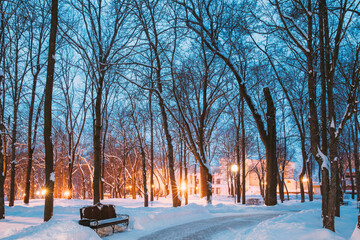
<point>197,188</point>
<point>130,187</point>
<point>66,194</point>
<point>153,186</point>
<point>183,186</point>
<point>305,179</point>
<point>234,168</point>
<point>24,194</point>
<point>43,192</point>
<point>38,193</point>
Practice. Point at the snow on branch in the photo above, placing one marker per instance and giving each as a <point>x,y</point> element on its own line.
<point>325,160</point>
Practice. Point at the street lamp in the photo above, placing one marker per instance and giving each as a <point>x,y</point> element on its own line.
<point>43,192</point>
<point>66,194</point>
<point>183,187</point>
<point>234,169</point>
<point>305,181</point>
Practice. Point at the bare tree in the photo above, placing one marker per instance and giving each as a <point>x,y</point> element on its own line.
<point>49,158</point>
<point>75,116</point>
<point>149,18</point>
<point>209,21</point>
<point>100,51</point>
<point>199,95</point>
<point>38,35</point>
<point>2,105</point>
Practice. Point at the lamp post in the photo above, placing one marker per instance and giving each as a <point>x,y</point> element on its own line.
<point>235,169</point>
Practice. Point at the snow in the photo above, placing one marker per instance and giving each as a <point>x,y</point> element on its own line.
<point>52,176</point>
<point>356,234</point>
<point>332,125</point>
<point>288,220</point>
<point>325,160</point>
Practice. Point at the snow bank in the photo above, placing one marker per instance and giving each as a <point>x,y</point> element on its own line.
<point>298,220</point>
<point>56,229</point>
<point>356,234</point>
<point>304,225</point>
<point>150,218</point>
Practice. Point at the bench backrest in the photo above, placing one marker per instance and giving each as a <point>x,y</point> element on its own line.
<point>98,212</point>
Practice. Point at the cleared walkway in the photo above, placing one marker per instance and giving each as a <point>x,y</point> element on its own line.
<point>206,229</point>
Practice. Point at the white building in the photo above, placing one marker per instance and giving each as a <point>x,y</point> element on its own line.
<point>254,169</point>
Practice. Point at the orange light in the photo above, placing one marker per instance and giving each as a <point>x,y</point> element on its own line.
<point>43,192</point>
<point>234,168</point>
<point>183,186</point>
<point>66,194</point>
<point>305,179</point>
<point>153,186</point>
<point>38,193</point>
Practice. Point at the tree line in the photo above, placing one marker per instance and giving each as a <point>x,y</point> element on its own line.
<point>116,94</point>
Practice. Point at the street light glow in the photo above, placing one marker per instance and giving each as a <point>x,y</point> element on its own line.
<point>43,192</point>
<point>66,194</point>
<point>234,168</point>
<point>183,186</point>
<point>304,179</point>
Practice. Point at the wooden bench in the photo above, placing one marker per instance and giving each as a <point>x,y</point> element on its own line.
<point>100,215</point>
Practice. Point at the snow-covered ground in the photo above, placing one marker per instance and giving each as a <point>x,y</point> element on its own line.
<point>288,220</point>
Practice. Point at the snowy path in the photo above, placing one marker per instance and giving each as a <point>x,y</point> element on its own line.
<point>208,228</point>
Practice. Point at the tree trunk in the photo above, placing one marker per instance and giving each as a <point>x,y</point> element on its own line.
<point>146,197</point>
<point>203,182</point>
<point>49,161</point>
<point>186,177</point>
<point>302,174</point>
<point>2,157</point>
<point>310,181</point>
<point>2,126</point>
<point>124,173</point>
<point>13,157</point>
<point>174,190</point>
<point>356,156</point>
<point>30,140</point>
<point>151,148</point>
<point>133,186</point>
<point>97,141</point>
<point>102,190</point>
<point>243,150</point>
<point>270,146</point>
<point>195,178</point>
<point>181,163</point>
<point>237,175</point>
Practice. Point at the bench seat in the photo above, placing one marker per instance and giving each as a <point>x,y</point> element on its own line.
<point>99,216</point>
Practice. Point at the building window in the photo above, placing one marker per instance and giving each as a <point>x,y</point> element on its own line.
<point>212,190</point>
<point>218,191</point>
<point>218,181</point>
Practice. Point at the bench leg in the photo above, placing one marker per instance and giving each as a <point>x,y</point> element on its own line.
<point>113,228</point>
